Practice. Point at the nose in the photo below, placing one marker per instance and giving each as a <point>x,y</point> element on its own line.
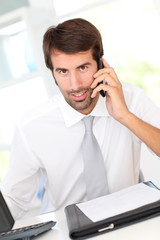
<point>75,81</point>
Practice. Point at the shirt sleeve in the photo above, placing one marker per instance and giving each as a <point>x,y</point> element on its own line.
<point>148,111</point>
<point>21,183</point>
<point>144,108</point>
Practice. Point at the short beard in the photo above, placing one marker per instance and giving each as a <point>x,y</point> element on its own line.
<point>83,104</point>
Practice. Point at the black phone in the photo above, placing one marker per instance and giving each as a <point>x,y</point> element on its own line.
<point>100,66</point>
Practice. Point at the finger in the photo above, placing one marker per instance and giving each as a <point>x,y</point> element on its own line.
<point>103,77</point>
<point>113,74</point>
<point>108,70</point>
<point>99,88</point>
<point>105,63</point>
<point>107,66</point>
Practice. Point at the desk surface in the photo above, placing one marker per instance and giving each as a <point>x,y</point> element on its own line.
<point>146,230</point>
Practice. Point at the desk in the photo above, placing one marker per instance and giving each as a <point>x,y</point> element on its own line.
<point>146,230</point>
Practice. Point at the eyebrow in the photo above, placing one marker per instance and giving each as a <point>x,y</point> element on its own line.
<point>65,69</point>
<point>87,63</point>
<point>62,69</point>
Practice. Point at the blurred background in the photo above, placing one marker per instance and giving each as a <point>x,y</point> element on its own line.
<point>131,36</point>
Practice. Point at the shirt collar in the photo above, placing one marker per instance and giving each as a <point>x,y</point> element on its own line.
<point>71,116</point>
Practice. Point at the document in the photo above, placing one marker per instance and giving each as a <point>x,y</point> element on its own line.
<point>119,202</point>
<point>111,212</point>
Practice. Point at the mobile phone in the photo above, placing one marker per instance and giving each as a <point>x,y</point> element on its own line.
<point>100,66</point>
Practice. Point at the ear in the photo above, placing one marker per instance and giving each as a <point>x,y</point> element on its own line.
<point>54,78</point>
<point>55,81</point>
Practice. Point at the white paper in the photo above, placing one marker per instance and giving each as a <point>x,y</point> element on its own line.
<point>119,202</point>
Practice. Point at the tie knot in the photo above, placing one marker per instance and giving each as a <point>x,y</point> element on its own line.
<point>88,122</point>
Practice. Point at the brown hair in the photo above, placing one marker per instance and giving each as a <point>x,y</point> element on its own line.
<point>70,37</point>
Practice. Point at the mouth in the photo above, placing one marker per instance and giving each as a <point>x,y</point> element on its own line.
<point>79,96</point>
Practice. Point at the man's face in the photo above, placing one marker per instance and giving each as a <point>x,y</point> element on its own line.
<point>73,74</point>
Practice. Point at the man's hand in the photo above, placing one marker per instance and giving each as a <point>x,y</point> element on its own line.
<point>115,101</point>
<point>117,108</point>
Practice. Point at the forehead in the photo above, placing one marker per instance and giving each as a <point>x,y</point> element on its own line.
<point>61,59</point>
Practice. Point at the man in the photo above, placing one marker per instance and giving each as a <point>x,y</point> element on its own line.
<point>49,140</point>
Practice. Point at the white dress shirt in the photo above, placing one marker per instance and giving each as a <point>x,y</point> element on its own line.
<point>49,140</point>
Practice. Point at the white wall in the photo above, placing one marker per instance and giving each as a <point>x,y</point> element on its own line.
<point>47,5</point>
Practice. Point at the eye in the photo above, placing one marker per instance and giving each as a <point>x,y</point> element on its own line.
<point>83,68</point>
<point>62,71</point>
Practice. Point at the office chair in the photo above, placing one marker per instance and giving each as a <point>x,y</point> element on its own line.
<point>141,176</point>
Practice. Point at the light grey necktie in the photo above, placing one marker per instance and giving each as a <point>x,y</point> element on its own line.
<point>94,169</point>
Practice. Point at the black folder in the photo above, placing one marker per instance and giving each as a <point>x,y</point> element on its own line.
<point>81,227</point>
